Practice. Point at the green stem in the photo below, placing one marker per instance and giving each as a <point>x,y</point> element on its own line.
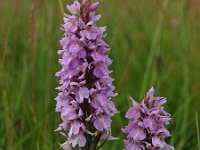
<point>198,136</point>
<point>61,6</point>
<point>94,144</point>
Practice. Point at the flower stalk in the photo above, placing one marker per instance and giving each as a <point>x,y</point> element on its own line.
<point>85,91</point>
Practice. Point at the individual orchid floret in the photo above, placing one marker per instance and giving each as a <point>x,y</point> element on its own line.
<point>146,128</point>
<point>85,91</point>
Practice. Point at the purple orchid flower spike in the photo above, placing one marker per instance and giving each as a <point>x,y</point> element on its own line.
<point>85,91</point>
<point>146,129</point>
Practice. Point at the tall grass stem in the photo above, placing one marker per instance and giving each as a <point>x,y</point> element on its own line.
<point>198,136</point>
<point>61,6</point>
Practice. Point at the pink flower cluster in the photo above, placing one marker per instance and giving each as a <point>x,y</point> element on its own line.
<point>85,91</point>
<point>146,129</point>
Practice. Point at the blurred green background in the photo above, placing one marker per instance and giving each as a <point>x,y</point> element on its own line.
<point>154,43</point>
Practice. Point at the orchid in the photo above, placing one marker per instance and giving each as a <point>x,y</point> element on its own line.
<point>146,129</point>
<point>85,91</point>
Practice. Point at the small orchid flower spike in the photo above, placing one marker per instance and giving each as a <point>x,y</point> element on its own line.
<point>146,128</point>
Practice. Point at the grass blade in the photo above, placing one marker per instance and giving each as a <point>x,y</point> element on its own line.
<point>198,136</point>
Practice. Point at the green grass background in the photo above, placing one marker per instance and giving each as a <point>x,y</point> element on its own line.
<point>154,43</point>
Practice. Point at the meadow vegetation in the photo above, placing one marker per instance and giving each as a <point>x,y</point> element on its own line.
<point>153,43</point>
